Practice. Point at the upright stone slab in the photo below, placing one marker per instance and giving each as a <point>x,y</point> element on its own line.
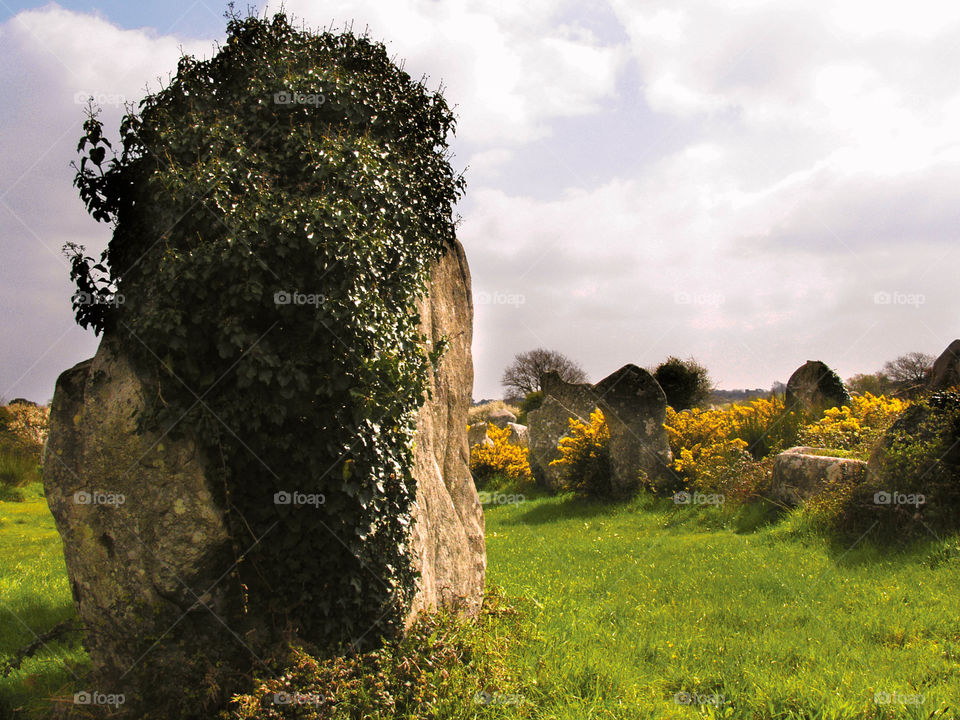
<point>448,530</point>
<point>815,387</point>
<point>946,369</point>
<point>635,407</point>
<point>146,545</point>
<point>148,553</point>
<point>551,421</point>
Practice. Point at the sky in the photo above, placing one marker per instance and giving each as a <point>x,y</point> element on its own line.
<point>752,183</point>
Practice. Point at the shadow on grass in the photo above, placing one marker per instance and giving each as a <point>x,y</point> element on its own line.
<point>567,507</point>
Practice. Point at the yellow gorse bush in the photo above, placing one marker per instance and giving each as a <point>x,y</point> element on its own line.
<point>500,458</point>
<point>584,455</point>
<point>708,445</point>
<point>847,426</point>
<point>585,441</point>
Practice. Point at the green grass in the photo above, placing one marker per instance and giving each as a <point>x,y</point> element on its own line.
<point>638,602</point>
<point>627,605</point>
<point>34,596</point>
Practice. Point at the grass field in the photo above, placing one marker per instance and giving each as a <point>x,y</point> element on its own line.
<point>638,610</point>
<point>34,596</point>
<point>646,610</point>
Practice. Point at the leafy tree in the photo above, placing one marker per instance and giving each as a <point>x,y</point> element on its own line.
<point>909,372</point>
<point>877,383</point>
<point>530,403</point>
<point>525,374</point>
<point>686,383</point>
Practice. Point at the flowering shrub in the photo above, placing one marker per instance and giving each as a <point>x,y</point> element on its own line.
<point>858,423</point>
<point>710,447</point>
<point>585,456</point>
<point>29,423</point>
<point>500,458</point>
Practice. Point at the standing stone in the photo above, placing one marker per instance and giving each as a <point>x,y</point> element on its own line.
<point>946,370</point>
<point>148,552</point>
<point>448,528</point>
<point>635,407</point>
<point>814,387</point>
<point>551,421</point>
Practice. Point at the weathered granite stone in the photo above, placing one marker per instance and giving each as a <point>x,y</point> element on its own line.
<point>148,553</point>
<point>448,530</point>
<point>634,406</point>
<point>551,421</point>
<point>799,475</point>
<point>815,387</point>
<point>519,435</point>
<point>946,369</point>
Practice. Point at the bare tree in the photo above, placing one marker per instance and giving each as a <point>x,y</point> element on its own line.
<point>909,370</point>
<point>525,374</point>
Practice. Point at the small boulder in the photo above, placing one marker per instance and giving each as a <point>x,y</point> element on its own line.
<point>815,387</point>
<point>501,418</point>
<point>946,369</point>
<point>798,474</point>
<point>519,435</point>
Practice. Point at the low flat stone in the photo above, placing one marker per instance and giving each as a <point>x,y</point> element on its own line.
<point>799,475</point>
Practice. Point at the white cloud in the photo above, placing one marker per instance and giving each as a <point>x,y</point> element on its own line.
<point>509,68</point>
<point>47,58</point>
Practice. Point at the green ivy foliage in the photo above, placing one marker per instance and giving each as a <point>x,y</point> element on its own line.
<point>229,202</point>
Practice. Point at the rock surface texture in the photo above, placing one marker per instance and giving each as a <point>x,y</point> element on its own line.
<point>946,369</point>
<point>147,549</point>
<point>799,474</point>
<point>501,418</point>
<point>815,387</point>
<point>634,406</point>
